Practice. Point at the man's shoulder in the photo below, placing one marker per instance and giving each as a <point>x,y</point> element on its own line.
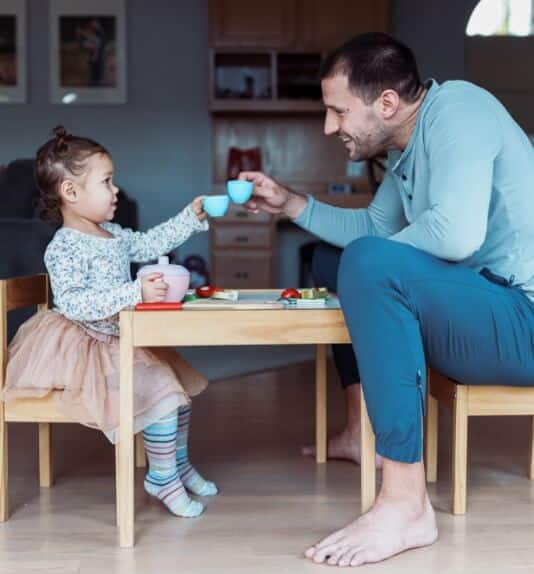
<point>459,97</point>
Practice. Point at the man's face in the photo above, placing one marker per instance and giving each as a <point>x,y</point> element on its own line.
<point>357,124</point>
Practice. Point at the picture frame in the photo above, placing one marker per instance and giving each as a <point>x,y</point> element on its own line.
<point>12,51</point>
<point>88,51</point>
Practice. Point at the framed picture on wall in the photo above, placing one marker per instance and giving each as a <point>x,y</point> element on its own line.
<point>12,51</point>
<point>88,51</point>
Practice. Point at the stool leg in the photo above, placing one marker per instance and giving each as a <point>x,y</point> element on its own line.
<point>140,454</point>
<point>368,458</point>
<point>431,438</point>
<point>531,469</point>
<point>459,450</point>
<point>45,455</point>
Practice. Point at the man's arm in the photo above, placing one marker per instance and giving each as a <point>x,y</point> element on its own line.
<point>462,141</point>
<point>339,226</point>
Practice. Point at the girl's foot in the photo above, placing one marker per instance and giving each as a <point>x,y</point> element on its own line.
<point>193,481</point>
<point>173,495</point>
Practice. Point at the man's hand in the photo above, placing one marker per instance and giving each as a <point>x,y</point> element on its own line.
<point>198,207</point>
<point>153,288</point>
<point>271,197</point>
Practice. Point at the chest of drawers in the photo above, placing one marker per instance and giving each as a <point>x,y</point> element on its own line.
<point>243,250</point>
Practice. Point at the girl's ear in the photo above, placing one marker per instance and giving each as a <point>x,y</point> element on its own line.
<point>67,191</point>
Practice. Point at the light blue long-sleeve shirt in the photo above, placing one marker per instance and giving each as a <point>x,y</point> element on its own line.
<point>462,190</point>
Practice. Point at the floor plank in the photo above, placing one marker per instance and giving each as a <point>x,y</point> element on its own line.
<point>246,435</point>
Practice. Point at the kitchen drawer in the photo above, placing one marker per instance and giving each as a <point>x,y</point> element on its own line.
<point>239,271</point>
<point>244,235</point>
<point>237,213</point>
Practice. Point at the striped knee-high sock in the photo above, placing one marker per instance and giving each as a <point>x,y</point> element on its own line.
<point>162,479</point>
<point>192,480</point>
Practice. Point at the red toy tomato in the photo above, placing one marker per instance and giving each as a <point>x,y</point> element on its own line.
<point>290,294</point>
<point>205,292</point>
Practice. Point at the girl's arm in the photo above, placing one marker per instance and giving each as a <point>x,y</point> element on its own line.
<point>149,245</point>
<point>76,298</point>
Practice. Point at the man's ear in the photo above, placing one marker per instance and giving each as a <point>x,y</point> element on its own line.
<point>388,104</point>
<point>67,191</point>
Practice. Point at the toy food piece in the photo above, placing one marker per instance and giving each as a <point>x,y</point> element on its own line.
<point>290,294</point>
<point>205,292</point>
<point>314,293</point>
<point>228,294</point>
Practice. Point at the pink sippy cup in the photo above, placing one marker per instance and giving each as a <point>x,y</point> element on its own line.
<point>176,277</point>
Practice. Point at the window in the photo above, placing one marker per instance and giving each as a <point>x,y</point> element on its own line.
<point>501,18</point>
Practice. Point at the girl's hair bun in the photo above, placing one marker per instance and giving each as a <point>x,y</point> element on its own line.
<point>60,132</point>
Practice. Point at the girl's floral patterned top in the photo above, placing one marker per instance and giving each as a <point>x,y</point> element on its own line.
<point>90,276</point>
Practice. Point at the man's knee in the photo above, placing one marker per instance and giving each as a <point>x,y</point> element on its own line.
<point>366,258</point>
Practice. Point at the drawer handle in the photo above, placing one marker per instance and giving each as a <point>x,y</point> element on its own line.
<point>242,239</point>
<point>242,214</point>
<point>241,275</point>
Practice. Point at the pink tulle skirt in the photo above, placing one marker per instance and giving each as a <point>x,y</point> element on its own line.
<point>51,353</point>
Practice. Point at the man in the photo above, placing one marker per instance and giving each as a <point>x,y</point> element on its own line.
<point>438,270</point>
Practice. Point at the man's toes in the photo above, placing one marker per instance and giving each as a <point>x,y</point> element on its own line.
<point>334,558</point>
<point>329,540</point>
<point>358,559</point>
<point>325,553</point>
<point>347,557</point>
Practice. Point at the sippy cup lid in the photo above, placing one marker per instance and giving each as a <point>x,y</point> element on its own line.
<point>163,266</point>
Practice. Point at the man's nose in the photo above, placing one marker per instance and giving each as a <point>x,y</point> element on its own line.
<point>331,124</point>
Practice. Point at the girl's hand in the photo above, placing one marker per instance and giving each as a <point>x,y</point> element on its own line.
<point>153,288</point>
<point>198,207</point>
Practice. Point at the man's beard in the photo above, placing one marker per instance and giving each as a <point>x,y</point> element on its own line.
<point>365,148</point>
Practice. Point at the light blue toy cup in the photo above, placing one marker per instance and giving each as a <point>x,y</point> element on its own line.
<point>239,191</point>
<point>216,205</point>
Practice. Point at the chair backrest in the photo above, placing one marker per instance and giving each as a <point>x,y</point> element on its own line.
<point>17,293</point>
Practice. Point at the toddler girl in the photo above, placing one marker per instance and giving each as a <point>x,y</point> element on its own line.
<point>74,348</point>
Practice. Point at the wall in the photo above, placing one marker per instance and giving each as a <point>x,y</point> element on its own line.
<point>160,138</point>
<point>435,31</point>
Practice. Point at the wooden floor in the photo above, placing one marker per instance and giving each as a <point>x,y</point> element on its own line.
<point>273,503</point>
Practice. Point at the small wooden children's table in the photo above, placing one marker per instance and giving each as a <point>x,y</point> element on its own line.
<point>218,326</point>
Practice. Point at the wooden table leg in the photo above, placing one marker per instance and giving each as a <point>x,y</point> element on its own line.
<point>320,404</point>
<point>368,458</point>
<point>46,476</point>
<point>126,435</point>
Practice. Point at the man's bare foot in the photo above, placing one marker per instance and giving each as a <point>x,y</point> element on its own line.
<point>344,445</point>
<point>391,526</point>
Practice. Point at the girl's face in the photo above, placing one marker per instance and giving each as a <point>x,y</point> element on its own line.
<point>92,196</point>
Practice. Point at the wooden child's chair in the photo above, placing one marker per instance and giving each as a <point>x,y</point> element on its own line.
<point>17,293</point>
<point>466,401</point>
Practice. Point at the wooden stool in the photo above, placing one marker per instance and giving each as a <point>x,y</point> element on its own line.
<point>466,401</point>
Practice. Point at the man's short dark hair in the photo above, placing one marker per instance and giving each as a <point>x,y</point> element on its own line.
<point>375,62</point>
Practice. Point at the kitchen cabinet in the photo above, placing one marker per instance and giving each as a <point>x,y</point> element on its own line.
<point>322,25</point>
<point>305,25</point>
<point>242,23</point>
